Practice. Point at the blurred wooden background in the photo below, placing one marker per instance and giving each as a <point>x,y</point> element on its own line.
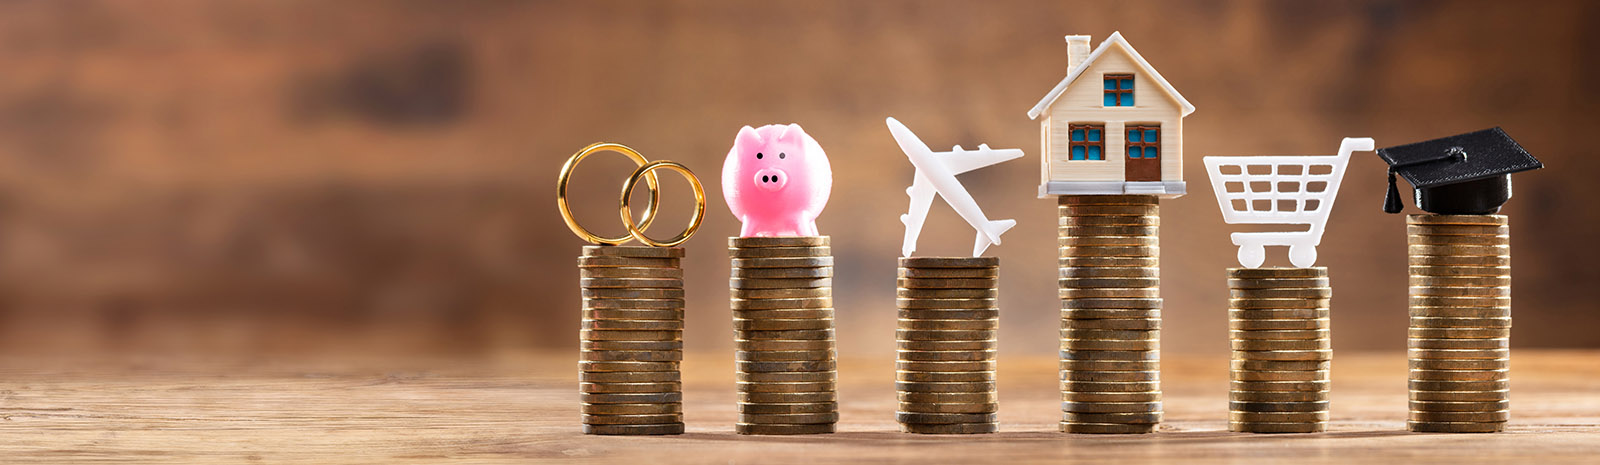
<point>266,176</point>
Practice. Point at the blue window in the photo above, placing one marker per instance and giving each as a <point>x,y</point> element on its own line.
<point>1119,90</point>
<point>1086,141</point>
<point>1144,141</point>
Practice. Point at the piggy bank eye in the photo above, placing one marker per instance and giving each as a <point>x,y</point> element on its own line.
<point>781,155</point>
<point>758,155</point>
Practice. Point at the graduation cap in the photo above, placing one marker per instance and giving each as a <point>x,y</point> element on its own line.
<point>1464,174</point>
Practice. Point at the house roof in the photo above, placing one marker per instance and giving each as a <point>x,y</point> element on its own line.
<point>1072,75</point>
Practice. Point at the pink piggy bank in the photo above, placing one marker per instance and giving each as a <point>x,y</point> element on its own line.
<point>776,180</point>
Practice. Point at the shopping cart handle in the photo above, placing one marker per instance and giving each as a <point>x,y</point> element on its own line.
<point>1357,144</point>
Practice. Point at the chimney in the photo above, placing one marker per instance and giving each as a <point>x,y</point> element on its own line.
<point>1077,51</point>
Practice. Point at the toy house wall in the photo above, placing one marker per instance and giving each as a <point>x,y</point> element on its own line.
<point>1083,102</point>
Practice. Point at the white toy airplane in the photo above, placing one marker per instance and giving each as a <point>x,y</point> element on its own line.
<point>936,173</point>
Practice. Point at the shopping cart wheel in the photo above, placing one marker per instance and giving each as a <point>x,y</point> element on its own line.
<point>1252,255</point>
<point>1303,256</point>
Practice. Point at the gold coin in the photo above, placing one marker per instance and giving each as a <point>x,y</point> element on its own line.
<point>1277,273</point>
<point>781,293</point>
<point>774,304</point>
<point>1111,303</point>
<point>1097,199</point>
<point>781,409</point>
<point>635,304</point>
<point>1074,316</point>
<point>1108,428</point>
<point>905,365</point>
<point>1110,365</point>
<point>950,262</point>
<point>948,397</point>
<point>951,283</point>
<point>1068,220</point>
<point>783,262</point>
<point>1111,407</point>
<point>779,283</point>
<point>1489,343</point>
<point>1278,396</point>
<point>937,335</point>
<point>1277,283</point>
<point>1280,344</point>
<point>631,355</point>
<point>630,377</point>
<point>1135,283</point>
<point>632,251</point>
<point>631,345</point>
<point>1109,230</point>
<point>925,407</point>
<point>1133,209</point>
<point>1443,291</point>
<point>592,263</point>
<point>1108,272</point>
<point>948,325</point>
<point>663,314</point>
<point>1458,354</point>
<point>944,377</point>
<point>801,335</point>
<point>613,293</point>
<point>783,355</point>
<point>1110,251</point>
<point>631,283</point>
<point>787,377</point>
<point>1457,230</point>
<point>774,344</point>
<point>1109,262</point>
<point>947,345</point>
<point>1274,407</point>
<point>1417,239</point>
<point>619,388</point>
<point>783,430</point>
<point>1268,427</point>
<point>1110,344</point>
<point>625,335</point>
<point>1431,406</point>
<point>1323,354</point>
<point>589,366</point>
<point>948,314</point>
<point>780,252</point>
<point>1437,364</point>
<point>795,365</point>
<point>1437,301</point>
<point>1278,417</point>
<point>1499,415</point>
<point>631,409</point>
<point>631,398</point>
<point>1111,376</point>
<point>1076,396</point>
<point>632,325</point>
<point>793,241</point>
<point>785,314</point>
<point>656,419</point>
<point>1276,304</point>
<point>769,386</point>
<point>1455,427</point>
<point>1074,354</point>
<point>951,428</point>
<point>904,293</point>
<point>1458,270</point>
<point>1076,241</point>
<point>1309,293</point>
<point>1280,365</point>
<point>782,273</point>
<point>944,418</point>
<point>787,397</point>
<point>1143,324</point>
<point>1110,386</point>
<point>1431,219</point>
<point>633,430</point>
<point>945,356</point>
<point>1081,293</point>
<point>1292,375</point>
<point>1461,281</point>
<point>1112,418</point>
<point>926,386</point>
<point>788,418</point>
<point>1443,385</point>
<point>1461,396</point>
<point>947,273</point>
<point>659,273</point>
<point>1460,375</point>
<point>1279,386</point>
<point>944,304</point>
<point>1291,334</point>
<point>1108,334</point>
<point>1462,312</point>
<point>1283,324</point>
<point>1431,322</point>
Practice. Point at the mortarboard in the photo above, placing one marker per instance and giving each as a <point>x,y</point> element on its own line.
<point>1464,174</point>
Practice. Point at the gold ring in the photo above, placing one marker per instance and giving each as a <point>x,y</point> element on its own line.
<point>651,182</point>
<point>699,203</point>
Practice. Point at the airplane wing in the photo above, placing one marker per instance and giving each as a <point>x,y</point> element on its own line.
<point>921,193</point>
<point>960,160</point>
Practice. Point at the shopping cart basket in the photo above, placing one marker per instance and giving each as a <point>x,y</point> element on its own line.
<point>1280,190</point>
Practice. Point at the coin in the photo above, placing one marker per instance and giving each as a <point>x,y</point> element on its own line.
<point>1078,314</point>
<point>782,262</point>
<point>1112,418</point>
<point>1109,282</point>
<point>817,428</point>
<point>632,325</point>
<point>1314,293</point>
<point>911,365</point>
<point>1436,406</point>
<point>1108,272</point>
<point>1110,303</point>
<point>1110,251</point>
<point>948,314</point>
<point>947,273</point>
<point>946,356</point>
<point>1257,375</point>
<point>630,377</point>
<point>1147,241</point>
<point>1266,427</point>
<point>1432,219</point>
<point>1111,376</point>
<point>1462,312</point>
<point>778,344</point>
<point>1446,385</point>
<point>1439,301</point>
<point>1280,344</point>
<point>633,304</point>
<point>1111,365</point>
<point>1110,344</point>
<point>1278,396</point>
<point>1108,428</point>
<point>632,251</point>
<point>676,273</point>
<point>631,409</point>
<point>1459,250</point>
<point>945,418</point>
<point>1490,343</point>
<point>1277,273</point>
<point>631,345</point>
<point>1455,427</point>
<point>789,241</point>
<point>1420,239</point>
<point>618,388</point>
<point>948,325</point>
<point>782,273</point>
<point>1278,417</point>
<point>788,397</point>
<point>1458,354</point>
<point>1068,221</point>
<point>767,324</point>
<point>1109,262</point>
<point>1110,386</point>
<point>1443,291</point>
<point>1459,333</point>
<point>944,304</point>
<point>1460,375</point>
<point>631,283</point>
<point>1458,230</point>
<point>1075,332</point>
<point>634,430</point>
<point>1111,407</point>
<point>1125,324</point>
<point>781,293</point>
<point>1461,396</point>
<point>631,398</point>
<point>626,335</point>
<point>904,293</point>
<point>1084,396</point>
<point>787,376</point>
<point>1139,209</point>
<point>798,365</point>
<point>1498,415</point>
<point>785,314</point>
<point>628,262</point>
<point>1458,322</point>
<point>798,335</point>
<point>783,355</point>
<point>1289,334</point>
<point>788,418</point>
<point>944,377</point>
<point>1079,293</point>
<point>1322,354</point>
<point>1249,304</point>
<point>779,283</point>
<point>811,407</point>
<point>1265,407</point>
<point>953,387</point>
<point>1458,270</point>
<point>1436,364</point>
<point>950,428</point>
<point>938,335</point>
<point>615,293</point>
<point>1282,324</point>
<point>951,283</point>
<point>948,397</point>
<point>631,356</point>
<point>1276,283</point>
<point>771,304</point>
<point>1073,354</point>
<point>1278,386</point>
<point>780,252</point>
<point>1280,365</point>
<point>628,366</point>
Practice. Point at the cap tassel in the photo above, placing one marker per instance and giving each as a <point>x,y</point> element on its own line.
<point>1391,201</point>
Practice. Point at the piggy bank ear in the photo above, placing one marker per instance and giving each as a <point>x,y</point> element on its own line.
<point>747,138</point>
<point>792,134</point>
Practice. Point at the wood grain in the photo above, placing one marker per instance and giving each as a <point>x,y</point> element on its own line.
<point>517,408</point>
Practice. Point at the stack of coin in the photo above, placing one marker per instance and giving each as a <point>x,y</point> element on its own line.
<point>945,373</point>
<point>782,301</point>
<point>1110,314</point>
<point>1278,327</point>
<point>632,340</point>
<point>1460,330</point>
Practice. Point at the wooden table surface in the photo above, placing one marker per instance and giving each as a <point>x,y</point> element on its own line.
<point>520,408</point>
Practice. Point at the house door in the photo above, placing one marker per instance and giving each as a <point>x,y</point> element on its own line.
<point>1144,153</point>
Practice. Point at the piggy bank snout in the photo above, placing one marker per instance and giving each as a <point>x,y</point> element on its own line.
<point>771,179</point>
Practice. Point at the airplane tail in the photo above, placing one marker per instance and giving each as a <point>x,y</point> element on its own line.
<point>990,234</point>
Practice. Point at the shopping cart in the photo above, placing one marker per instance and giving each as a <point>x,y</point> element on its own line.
<point>1280,190</point>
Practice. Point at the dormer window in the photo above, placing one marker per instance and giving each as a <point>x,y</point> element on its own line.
<point>1119,90</point>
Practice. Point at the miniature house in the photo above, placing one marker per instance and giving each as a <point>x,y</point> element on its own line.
<point>1112,126</point>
